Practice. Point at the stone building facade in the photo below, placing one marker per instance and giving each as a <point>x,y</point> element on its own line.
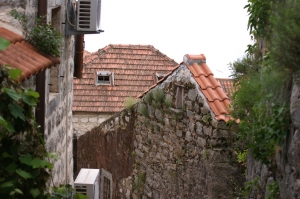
<point>110,76</point>
<point>174,143</point>
<point>58,131</point>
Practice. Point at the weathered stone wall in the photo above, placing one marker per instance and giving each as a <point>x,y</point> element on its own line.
<point>286,168</point>
<point>177,153</point>
<point>58,122</point>
<point>109,146</point>
<point>84,122</point>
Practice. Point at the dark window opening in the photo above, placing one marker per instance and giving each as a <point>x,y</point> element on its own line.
<point>179,97</point>
<point>104,78</point>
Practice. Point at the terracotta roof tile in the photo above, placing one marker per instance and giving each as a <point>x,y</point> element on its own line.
<point>216,98</point>
<point>133,67</point>
<point>227,85</point>
<point>24,56</point>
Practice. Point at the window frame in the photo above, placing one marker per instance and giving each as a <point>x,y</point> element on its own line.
<point>104,74</point>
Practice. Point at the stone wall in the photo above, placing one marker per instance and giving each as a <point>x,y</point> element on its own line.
<point>109,146</point>
<point>58,121</point>
<point>176,152</point>
<point>286,168</point>
<point>84,122</point>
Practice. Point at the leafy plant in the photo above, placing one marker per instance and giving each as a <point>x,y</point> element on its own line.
<point>4,43</point>
<point>285,23</point>
<point>24,169</point>
<point>129,102</point>
<point>143,110</point>
<point>258,16</point>
<point>273,190</point>
<point>42,35</point>
<point>148,97</point>
<point>251,185</point>
<point>139,183</point>
<point>159,95</point>
<point>242,156</point>
<point>168,101</point>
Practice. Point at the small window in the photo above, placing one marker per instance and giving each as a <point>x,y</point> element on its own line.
<point>179,97</point>
<point>104,78</point>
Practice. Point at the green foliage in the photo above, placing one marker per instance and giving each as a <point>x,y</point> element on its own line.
<point>244,67</point>
<point>242,156</point>
<point>148,97</point>
<point>41,35</point>
<point>23,169</point>
<point>143,110</point>
<point>273,190</point>
<point>259,13</point>
<point>264,116</point>
<point>139,183</point>
<point>260,102</point>
<point>206,119</point>
<point>285,21</point>
<point>251,185</point>
<point>129,102</point>
<point>23,165</point>
<point>168,101</point>
<point>159,95</point>
<point>206,154</point>
<point>4,43</point>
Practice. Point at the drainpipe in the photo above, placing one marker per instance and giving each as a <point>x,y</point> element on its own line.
<point>41,78</point>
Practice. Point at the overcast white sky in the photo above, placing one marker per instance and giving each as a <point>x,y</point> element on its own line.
<point>216,28</point>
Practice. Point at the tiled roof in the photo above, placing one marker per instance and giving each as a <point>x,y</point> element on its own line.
<point>133,67</point>
<point>227,85</point>
<point>24,56</point>
<point>215,96</point>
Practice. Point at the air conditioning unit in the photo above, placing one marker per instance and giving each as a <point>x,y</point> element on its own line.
<point>83,18</point>
<point>87,183</point>
<point>88,15</point>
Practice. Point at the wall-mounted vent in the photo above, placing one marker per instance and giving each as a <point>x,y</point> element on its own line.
<point>87,183</point>
<point>88,15</point>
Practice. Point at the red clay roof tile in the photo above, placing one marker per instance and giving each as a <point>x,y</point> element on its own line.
<point>209,86</point>
<point>215,96</point>
<point>133,67</point>
<point>227,85</point>
<point>24,56</point>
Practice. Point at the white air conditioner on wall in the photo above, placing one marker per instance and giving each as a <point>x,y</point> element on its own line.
<point>83,18</point>
<point>88,15</point>
<point>87,183</point>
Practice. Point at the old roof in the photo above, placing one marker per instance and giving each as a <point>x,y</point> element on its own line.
<point>216,97</point>
<point>133,68</point>
<point>227,85</point>
<point>24,56</point>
